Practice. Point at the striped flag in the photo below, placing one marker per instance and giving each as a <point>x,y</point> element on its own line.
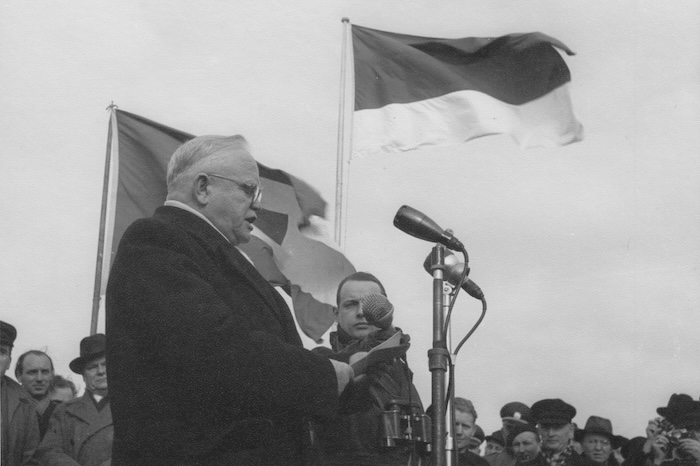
<point>309,270</point>
<point>414,91</point>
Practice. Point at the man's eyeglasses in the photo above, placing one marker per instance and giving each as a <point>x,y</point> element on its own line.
<point>253,192</point>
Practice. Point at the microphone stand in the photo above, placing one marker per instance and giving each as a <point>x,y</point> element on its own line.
<point>438,359</point>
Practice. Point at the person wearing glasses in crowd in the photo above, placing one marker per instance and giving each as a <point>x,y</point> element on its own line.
<point>206,365</point>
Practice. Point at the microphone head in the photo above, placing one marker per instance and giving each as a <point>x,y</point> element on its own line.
<point>415,223</point>
<point>377,310</point>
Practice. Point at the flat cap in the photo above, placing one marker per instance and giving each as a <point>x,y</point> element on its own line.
<point>553,411</point>
<point>517,411</point>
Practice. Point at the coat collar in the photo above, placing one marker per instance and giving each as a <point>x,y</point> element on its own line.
<point>214,241</point>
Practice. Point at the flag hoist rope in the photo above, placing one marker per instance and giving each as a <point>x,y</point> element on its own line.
<point>344,138</point>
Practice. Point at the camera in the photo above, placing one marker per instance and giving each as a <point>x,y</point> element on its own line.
<point>675,456</point>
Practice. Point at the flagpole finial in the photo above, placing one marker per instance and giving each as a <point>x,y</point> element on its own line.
<point>345,19</point>
<point>111,106</point>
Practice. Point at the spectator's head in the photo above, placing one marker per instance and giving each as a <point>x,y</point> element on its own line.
<point>514,413</point>
<point>62,389</point>
<point>465,422</point>
<point>597,439</point>
<point>91,364</point>
<point>349,311</point>
<point>217,176</point>
<point>683,412</point>
<point>495,443</point>
<point>34,370</point>
<point>554,423</point>
<point>524,440</point>
<point>476,440</point>
<point>8,334</point>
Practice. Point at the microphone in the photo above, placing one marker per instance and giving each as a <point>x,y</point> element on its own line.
<point>417,224</point>
<point>377,310</point>
<point>453,273</point>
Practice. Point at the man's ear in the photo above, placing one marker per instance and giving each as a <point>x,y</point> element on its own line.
<point>201,188</point>
<point>335,312</point>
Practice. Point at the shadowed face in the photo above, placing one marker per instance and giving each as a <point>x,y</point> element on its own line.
<point>349,313</point>
<point>597,447</point>
<point>5,358</point>
<point>555,437</point>
<point>95,376</point>
<point>526,446</point>
<point>492,447</point>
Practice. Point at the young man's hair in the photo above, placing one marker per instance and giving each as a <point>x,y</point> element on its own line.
<point>359,277</point>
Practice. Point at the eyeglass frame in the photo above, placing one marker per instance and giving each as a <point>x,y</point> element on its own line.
<point>255,196</point>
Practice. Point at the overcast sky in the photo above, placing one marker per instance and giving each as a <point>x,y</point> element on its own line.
<point>588,254</point>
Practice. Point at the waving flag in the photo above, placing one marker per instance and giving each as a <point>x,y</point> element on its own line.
<point>309,270</point>
<point>416,91</point>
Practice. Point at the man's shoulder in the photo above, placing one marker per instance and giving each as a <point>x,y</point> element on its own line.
<point>14,390</point>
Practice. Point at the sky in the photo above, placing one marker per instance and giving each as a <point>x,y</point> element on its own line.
<point>588,254</point>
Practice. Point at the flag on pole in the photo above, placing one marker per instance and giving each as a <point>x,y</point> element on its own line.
<point>414,91</point>
<point>309,270</point>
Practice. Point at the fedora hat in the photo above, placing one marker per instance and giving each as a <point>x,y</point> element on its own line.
<point>599,426</point>
<point>90,348</point>
<point>682,411</point>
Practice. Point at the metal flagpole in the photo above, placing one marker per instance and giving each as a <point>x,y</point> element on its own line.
<point>344,141</point>
<point>104,243</point>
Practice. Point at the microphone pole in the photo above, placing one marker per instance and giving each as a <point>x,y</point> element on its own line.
<point>438,358</point>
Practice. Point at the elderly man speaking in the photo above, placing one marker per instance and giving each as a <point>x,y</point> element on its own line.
<point>206,366</point>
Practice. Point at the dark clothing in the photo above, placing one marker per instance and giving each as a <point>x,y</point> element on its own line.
<point>205,363</point>
<point>469,458</point>
<point>539,460</point>
<point>20,429</point>
<point>46,416</point>
<point>356,436</point>
<point>80,433</point>
<point>503,458</point>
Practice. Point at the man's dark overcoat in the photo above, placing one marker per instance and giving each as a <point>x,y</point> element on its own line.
<point>205,364</point>
<point>78,433</point>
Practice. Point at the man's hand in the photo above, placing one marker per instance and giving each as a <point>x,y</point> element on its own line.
<point>659,447</point>
<point>344,374</point>
<point>691,447</point>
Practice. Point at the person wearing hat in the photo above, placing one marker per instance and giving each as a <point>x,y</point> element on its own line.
<point>477,439</point>
<point>524,441</point>
<point>20,427</point>
<point>598,441</point>
<point>512,414</point>
<point>674,436</point>
<point>80,431</point>
<point>554,419</point>
<point>495,443</point>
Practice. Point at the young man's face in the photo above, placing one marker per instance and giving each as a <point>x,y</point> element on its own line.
<point>349,314</point>
<point>465,425</point>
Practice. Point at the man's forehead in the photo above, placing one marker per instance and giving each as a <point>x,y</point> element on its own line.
<point>37,360</point>
<point>357,288</point>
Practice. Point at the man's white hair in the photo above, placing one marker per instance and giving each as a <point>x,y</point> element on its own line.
<point>190,157</point>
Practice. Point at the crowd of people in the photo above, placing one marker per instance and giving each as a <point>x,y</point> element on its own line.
<point>206,366</point>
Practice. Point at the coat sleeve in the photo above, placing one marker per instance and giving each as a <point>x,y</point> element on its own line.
<point>178,314</point>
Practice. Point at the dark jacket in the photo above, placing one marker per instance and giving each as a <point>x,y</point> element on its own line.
<point>20,428</point>
<point>205,363</point>
<point>356,436</point>
<point>79,433</point>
